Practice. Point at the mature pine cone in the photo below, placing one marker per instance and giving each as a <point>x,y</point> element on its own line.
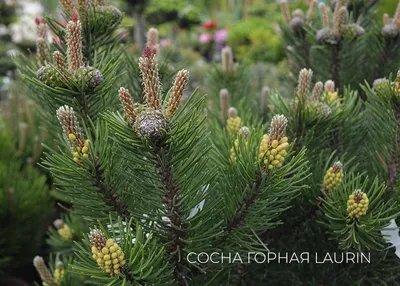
<point>296,23</point>
<point>390,31</point>
<point>50,76</point>
<point>322,109</point>
<point>152,124</point>
<point>325,35</point>
<point>351,31</point>
<point>92,76</point>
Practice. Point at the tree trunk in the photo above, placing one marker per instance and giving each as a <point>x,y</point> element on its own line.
<point>139,32</point>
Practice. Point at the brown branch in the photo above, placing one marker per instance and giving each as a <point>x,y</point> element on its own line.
<point>249,200</point>
<point>110,198</point>
<point>393,166</point>
<point>335,65</point>
<point>174,213</point>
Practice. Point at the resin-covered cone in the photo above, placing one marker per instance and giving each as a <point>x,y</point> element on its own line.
<point>50,76</point>
<point>92,76</point>
<point>152,124</point>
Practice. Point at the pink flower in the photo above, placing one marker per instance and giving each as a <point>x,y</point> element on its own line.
<point>220,36</point>
<point>165,42</point>
<point>205,38</point>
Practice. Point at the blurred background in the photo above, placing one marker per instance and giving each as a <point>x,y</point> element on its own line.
<point>192,34</point>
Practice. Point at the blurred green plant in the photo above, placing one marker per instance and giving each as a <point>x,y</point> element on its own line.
<point>25,206</point>
<point>256,40</point>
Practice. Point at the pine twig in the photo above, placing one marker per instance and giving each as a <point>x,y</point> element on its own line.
<point>174,213</point>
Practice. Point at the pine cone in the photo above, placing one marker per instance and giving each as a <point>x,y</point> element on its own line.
<point>321,108</point>
<point>109,13</point>
<point>152,124</point>
<point>93,77</point>
<point>390,31</point>
<point>351,31</point>
<point>50,76</point>
<point>296,23</point>
<point>325,35</point>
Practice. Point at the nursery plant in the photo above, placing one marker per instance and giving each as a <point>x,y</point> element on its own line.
<point>158,191</point>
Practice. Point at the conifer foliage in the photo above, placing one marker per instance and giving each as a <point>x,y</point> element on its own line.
<point>152,182</point>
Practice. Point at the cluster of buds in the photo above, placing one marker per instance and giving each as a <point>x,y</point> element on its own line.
<point>72,133</point>
<point>224,103</point>
<point>391,27</point>
<point>332,34</point>
<point>45,274</point>
<point>42,47</point>
<point>273,146</point>
<point>264,99</point>
<point>63,229</point>
<point>357,204</point>
<point>333,177</point>
<point>297,20</point>
<point>59,272</point>
<point>151,122</point>
<point>244,132</point>
<point>233,123</point>
<point>107,253</point>
<point>314,100</point>
<point>380,83</point>
<point>55,75</point>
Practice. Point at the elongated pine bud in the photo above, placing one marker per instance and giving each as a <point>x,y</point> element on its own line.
<point>303,87</point>
<point>59,61</point>
<point>338,5</point>
<point>386,19</point>
<point>324,15</point>
<point>72,133</point>
<point>67,5</point>
<point>153,41</point>
<point>278,127</point>
<point>298,13</point>
<point>396,17</point>
<point>232,112</point>
<point>43,271</point>
<point>311,10</point>
<point>317,90</point>
<point>224,103</point>
<point>150,78</point>
<point>285,11</point>
<point>227,59</point>
<point>41,28</point>
<point>180,83</point>
<point>74,43</point>
<point>127,104</point>
<point>264,98</point>
<point>42,50</point>
<point>329,86</point>
<point>338,20</point>
<point>69,124</point>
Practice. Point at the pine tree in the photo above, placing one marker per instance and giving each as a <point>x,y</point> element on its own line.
<point>160,186</point>
<point>346,45</point>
